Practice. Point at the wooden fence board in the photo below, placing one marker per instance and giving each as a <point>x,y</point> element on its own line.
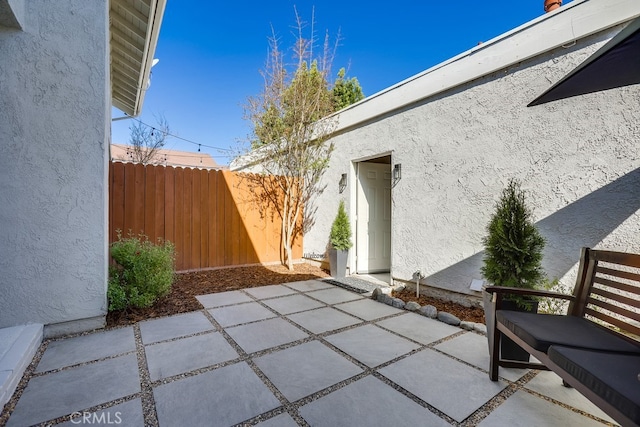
<point>209,215</point>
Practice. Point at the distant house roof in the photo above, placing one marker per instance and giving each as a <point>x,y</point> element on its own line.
<point>167,157</point>
<point>134,27</point>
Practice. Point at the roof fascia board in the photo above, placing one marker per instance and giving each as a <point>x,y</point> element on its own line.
<point>574,21</point>
<point>156,11</point>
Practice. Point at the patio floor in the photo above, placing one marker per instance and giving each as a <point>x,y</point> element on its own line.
<point>304,353</point>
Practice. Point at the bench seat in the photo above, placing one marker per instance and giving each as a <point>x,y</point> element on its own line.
<point>540,331</point>
<point>613,377</point>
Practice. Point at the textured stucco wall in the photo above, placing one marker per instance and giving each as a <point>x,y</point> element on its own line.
<point>54,130</point>
<point>577,159</point>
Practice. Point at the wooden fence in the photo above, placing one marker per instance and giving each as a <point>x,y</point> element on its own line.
<point>209,215</point>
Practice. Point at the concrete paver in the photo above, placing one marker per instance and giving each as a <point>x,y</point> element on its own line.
<point>180,325</point>
<point>526,410</point>
<point>282,420</point>
<point>271,291</point>
<point>223,298</point>
<point>419,328</point>
<point>334,295</point>
<point>187,354</point>
<point>222,397</point>
<point>125,414</point>
<point>292,304</point>
<point>61,393</point>
<point>450,386</point>
<point>371,345</point>
<point>305,369</point>
<point>323,320</point>
<point>242,313</point>
<point>309,285</point>
<point>473,349</point>
<point>85,348</point>
<point>265,334</point>
<point>368,402</point>
<point>368,309</point>
<point>549,384</point>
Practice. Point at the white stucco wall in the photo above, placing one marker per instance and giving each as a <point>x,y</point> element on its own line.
<point>54,132</point>
<point>578,160</point>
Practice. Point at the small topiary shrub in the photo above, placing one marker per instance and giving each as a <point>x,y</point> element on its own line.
<point>143,272</point>
<point>513,245</point>
<point>340,236</point>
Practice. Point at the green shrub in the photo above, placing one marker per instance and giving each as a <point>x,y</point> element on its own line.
<point>554,305</point>
<point>340,236</point>
<point>143,272</point>
<point>513,245</point>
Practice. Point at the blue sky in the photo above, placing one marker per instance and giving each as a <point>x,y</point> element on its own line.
<point>211,54</point>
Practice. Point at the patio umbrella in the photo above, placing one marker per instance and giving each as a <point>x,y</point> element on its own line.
<point>615,64</point>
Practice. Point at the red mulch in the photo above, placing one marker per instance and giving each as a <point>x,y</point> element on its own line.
<point>187,286</point>
<point>469,314</point>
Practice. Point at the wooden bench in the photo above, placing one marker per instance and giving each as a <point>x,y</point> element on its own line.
<point>595,347</point>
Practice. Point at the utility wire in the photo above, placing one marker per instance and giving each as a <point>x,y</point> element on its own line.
<point>228,150</point>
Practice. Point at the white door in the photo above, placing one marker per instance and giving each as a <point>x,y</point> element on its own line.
<point>373,223</point>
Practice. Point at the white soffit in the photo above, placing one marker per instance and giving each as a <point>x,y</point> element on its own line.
<point>134,27</point>
<point>572,22</point>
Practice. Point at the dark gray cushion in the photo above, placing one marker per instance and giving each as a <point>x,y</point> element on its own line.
<point>542,330</point>
<point>612,376</point>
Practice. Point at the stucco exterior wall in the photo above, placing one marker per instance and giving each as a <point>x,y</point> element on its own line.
<point>578,160</point>
<point>54,133</point>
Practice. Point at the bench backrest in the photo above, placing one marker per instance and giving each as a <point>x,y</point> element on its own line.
<point>608,289</point>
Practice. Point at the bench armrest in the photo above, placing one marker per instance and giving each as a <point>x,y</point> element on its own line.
<point>531,292</point>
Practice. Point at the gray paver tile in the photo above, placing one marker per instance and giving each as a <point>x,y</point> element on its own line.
<point>221,397</point>
<point>187,354</point>
<point>524,409</point>
<point>241,313</point>
<point>282,420</point>
<point>368,402</point>
<point>54,395</point>
<point>450,386</point>
<point>167,328</point>
<point>323,320</point>
<point>368,309</point>
<point>309,285</point>
<point>223,298</point>
<point>419,328</point>
<point>334,295</point>
<point>271,291</point>
<point>305,369</point>
<point>85,348</point>
<point>473,349</point>
<point>265,334</point>
<point>292,304</point>
<point>125,414</point>
<point>371,345</point>
<point>549,384</point>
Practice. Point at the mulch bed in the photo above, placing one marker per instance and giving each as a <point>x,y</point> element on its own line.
<point>187,286</point>
<point>469,314</point>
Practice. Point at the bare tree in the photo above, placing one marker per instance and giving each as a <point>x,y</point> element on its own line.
<point>147,141</point>
<point>291,127</point>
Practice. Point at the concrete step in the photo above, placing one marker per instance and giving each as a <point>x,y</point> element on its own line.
<point>18,345</point>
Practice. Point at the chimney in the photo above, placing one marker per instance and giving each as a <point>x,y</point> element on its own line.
<point>550,5</point>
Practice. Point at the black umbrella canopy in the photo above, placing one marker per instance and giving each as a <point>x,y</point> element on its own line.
<point>616,64</point>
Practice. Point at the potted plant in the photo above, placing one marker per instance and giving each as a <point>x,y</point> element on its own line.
<point>339,243</point>
<point>513,255</point>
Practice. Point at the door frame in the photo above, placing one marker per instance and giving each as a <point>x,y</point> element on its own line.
<point>353,198</point>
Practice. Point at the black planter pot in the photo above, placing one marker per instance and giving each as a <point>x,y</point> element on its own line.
<point>509,350</point>
<point>338,263</point>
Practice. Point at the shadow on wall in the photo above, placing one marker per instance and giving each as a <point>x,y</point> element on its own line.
<point>585,222</point>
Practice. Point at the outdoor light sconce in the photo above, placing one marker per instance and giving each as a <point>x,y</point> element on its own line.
<point>343,183</point>
<point>397,173</point>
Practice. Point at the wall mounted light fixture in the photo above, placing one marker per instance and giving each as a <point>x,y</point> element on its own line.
<point>343,183</point>
<point>397,173</point>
